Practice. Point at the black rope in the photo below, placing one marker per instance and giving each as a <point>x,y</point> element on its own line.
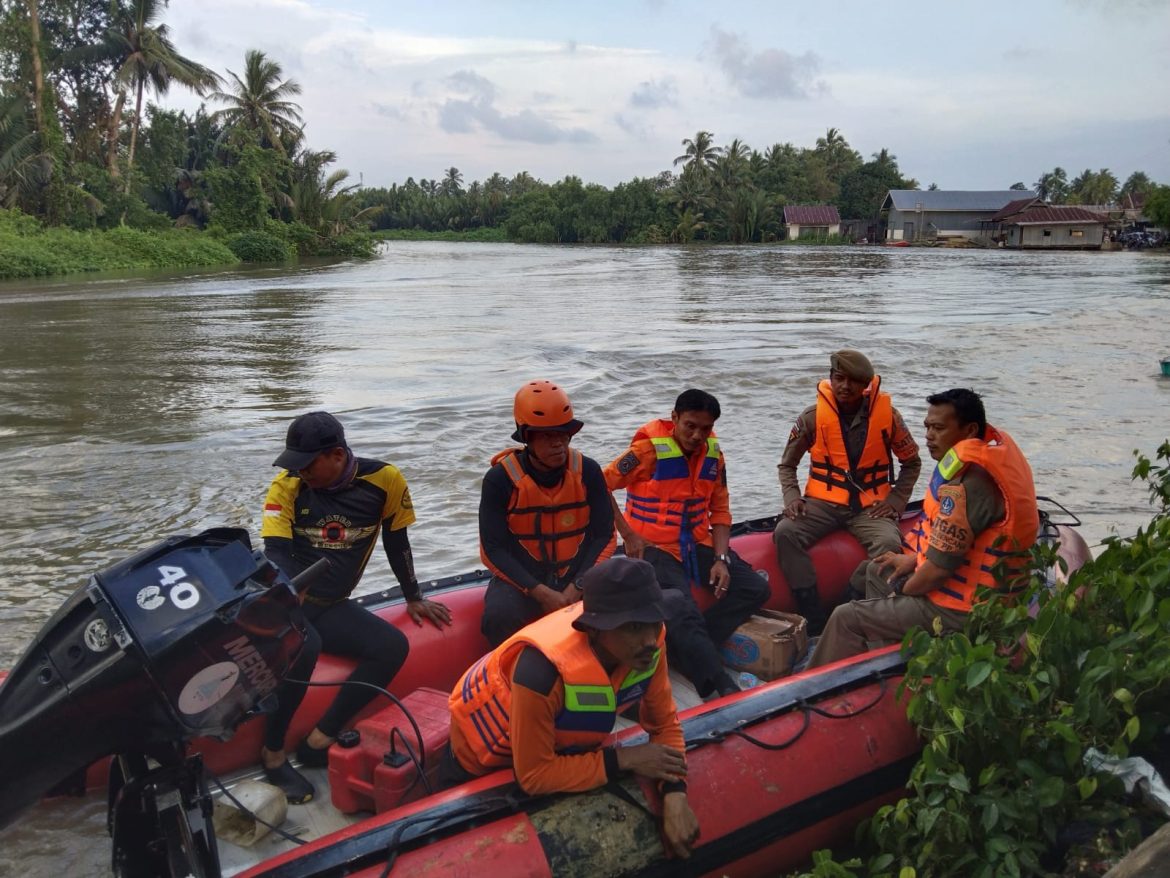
<point>881,694</point>
<point>392,847</point>
<point>807,710</point>
<point>763,745</point>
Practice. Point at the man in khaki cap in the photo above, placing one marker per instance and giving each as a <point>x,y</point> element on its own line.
<point>852,433</point>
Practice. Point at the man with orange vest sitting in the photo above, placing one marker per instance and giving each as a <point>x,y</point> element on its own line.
<point>851,434</point>
<point>545,701</point>
<point>979,524</point>
<point>678,517</point>
<point>544,515</point>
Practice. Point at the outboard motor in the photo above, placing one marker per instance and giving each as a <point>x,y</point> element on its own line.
<point>187,638</point>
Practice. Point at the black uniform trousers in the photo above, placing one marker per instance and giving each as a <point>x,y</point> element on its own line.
<point>693,637</point>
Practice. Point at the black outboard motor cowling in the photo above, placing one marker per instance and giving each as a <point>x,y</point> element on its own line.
<point>187,638</point>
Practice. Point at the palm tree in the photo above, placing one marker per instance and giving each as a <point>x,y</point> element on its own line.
<point>319,200</point>
<point>1138,186</point>
<point>148,57</point>
<point>452,182</point>
<point>1053,186</point>
<point>688,224</point>
<point>34,27</point>
<point>699,154</point>
<point>731,167</point>
<point>22,167</point>
<point>259,102</point>
<point>838,156</point>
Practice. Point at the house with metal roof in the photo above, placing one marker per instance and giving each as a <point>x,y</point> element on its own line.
<point>1030,224</point>
<point>922,214</point>
<point>811,221</point>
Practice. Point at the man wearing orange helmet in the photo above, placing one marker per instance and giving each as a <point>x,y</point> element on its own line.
<point>544,515</point>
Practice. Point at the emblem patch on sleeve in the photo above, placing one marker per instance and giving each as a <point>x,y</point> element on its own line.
<point>628,463</point>
<point>950,532</point>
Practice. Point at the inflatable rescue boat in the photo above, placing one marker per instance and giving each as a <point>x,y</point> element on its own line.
<point>774,772</point>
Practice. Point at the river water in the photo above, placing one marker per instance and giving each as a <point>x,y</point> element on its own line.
<point>135,407</point>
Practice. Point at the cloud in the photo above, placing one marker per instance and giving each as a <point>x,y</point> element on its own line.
<point>387,111</point>
<point>772,73</point>
<point>652,94</point>
<point>466,115</point>
<point>470,82</point>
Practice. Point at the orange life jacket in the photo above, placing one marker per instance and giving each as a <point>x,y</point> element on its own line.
<point>481,701</point>
<point>830,475</point>
<point>999,556</point>
<point>550,523</point>
<point>677,496</point>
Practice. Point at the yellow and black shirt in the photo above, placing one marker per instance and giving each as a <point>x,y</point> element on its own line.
<point>302,525</point>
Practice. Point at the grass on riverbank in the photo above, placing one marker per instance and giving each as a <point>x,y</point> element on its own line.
<point>29,250</point>
<point>480,236</point>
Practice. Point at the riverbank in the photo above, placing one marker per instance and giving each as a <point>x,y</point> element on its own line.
<point>29,250</point>
<point>495,235</point>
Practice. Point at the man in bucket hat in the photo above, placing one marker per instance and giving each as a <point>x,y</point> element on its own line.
<point>545,700</point>
<point>852,434</point>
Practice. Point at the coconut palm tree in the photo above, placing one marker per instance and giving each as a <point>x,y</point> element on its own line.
<point>699,154</point>
<point>260,102</point>
<point>1053,186</point>
<point>147,57</point>
<point>839,157</point>
<point>452,182</point>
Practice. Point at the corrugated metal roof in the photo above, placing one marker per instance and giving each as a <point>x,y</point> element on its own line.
<point>1014,207</point>
<point>1050,216</point>
<point>811,215</point>
<point>941,199</point>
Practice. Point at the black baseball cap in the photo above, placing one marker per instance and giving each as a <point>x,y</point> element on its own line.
<point>308,436</point>
<point>621,590</point>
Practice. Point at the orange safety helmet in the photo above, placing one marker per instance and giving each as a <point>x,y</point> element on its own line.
<point>542,405</point>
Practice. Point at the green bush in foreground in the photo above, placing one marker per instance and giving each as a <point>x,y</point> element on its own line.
<point>260,246</point>
<point>27,250</point>
<point>1009,709</point>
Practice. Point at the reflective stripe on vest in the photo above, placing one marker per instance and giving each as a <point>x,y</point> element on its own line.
<point>549,523</point>
<point>482,699</point>
<point>831,477</point>
<point>999,557</point>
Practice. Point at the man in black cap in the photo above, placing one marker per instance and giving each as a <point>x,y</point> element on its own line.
<point>852,434</point>
<point>328,503</point>
<point>544,515</point>
<point>544,702</point>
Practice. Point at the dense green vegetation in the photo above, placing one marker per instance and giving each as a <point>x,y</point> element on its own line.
<point>27,250</point>
<point>83,147</point>
<point>1010,709</point>
<point>727,193</point>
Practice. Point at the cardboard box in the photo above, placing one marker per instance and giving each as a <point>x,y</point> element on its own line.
<point>767,644</point>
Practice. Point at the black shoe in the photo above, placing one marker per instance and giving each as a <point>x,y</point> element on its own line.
<point>292,783</point>
<point>725,685</point>
<point>311,757</point>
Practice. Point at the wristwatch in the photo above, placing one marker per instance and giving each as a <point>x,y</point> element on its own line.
<point>725,558</point>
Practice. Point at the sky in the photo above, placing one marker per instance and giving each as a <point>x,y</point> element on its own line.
<point>967,96</point>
